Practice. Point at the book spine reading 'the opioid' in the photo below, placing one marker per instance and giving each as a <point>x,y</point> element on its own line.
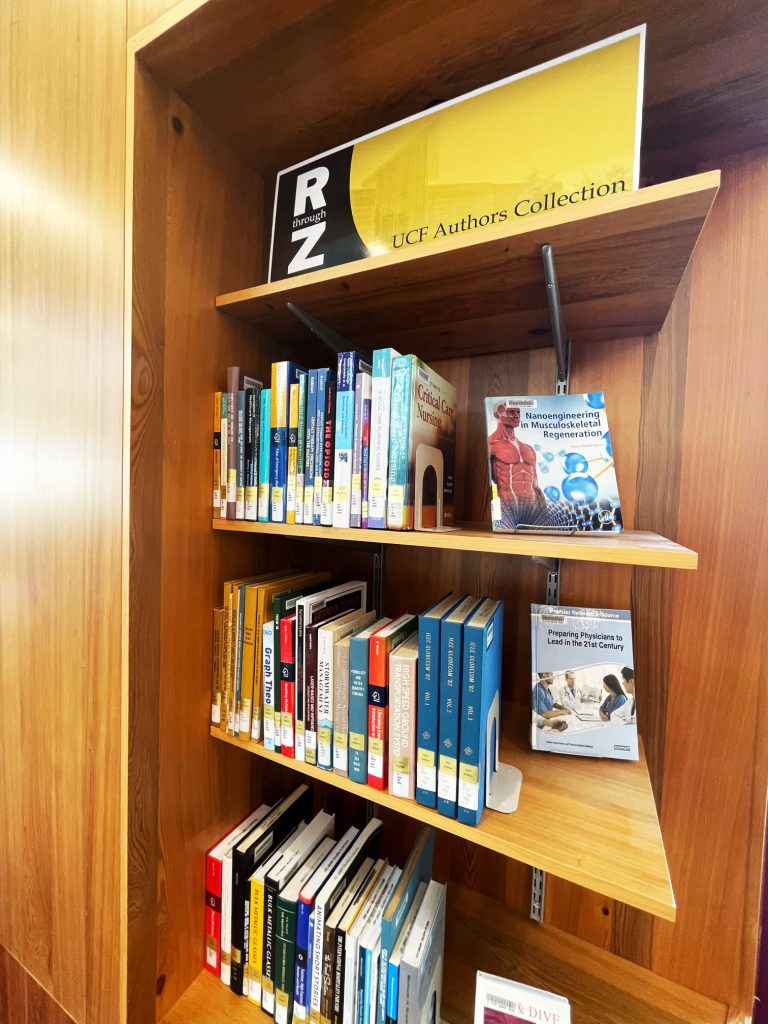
<point>323,376</point>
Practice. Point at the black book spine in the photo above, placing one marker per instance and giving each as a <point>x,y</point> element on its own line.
<point>240,911</point>
<point>338,971</point>
<point>268,964</point>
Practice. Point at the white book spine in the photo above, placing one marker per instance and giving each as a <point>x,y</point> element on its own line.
<point>381,395</point>
<point>268,676</point>
<point>402,701</point>
<point>325,638</point>
<point>226,919</point>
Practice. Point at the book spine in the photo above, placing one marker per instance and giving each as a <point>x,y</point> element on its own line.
<point>301,448</point>
<point>279,442</point>
<point>402,725</point>
<point>240,478</point>
<point>339,949</point>
<point>399,442</point>
<point>213,914</point>
<point>268,677</point>
<point>358,709</point>
<point>216,453</point>
<point>310,695</point>
<point>233,379</point>
<point>238,629</point>
<point>309,454</point>
<point>343,439</point>
<point>326,503</point>
<point>378,711</point>
<point>325,699</point>
<point>300,698</point>
<point>379,443</point>
<point>226,921</point>
<point>287,684</point>
<point>217,651</point>
<point>230,627</point>
<point>392,986</point>
<point>427,699</point>
<point>450,695</point>
<point>252,413</point>
<point>250,703</point>
<point>241,915</point>
<point>365,451</point>
<point>268,956</point>
<point>293,453</point>
<point>223,460</point>
<point>326,989</point>
<point>285,960</point>
<point>356,493</point>
<point>361,1000</point>
<point>302,948</point>
<point>264,455</point>
<point>468,808</point>
<point>317,501</point>
<point>340,708</point>
<point>253,941</point>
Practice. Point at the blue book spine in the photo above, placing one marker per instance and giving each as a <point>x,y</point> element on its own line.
<point>381,395</point>
<point>283,375</point>
<point>240,478</point>
<point>399,441</point>
<point>303,940</point>
<point>309,453</point>
<point>393,987</point>
<point>264,449</point>
<point>358,709</point>
<point>448,727</point>
<point>310,973</point>
<point>322,383</point>
<point>481,681</point>
<point>361,989</point>
<point>427,697</point>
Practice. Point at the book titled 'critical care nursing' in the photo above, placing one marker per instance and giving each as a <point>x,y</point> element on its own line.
<point>558,135</point>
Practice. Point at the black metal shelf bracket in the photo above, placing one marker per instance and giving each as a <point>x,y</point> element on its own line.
<point>559,335</point>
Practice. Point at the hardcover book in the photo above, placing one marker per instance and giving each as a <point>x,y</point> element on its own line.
<point>283,375</point>
<point>346,942</point>
<point>237,380</point>
<point>265,434</point>
<point>252,435</point>
<point>480,688</point>
<point>309,448</point>
<point>217,454</point>
<point>421,961</point>
<point>362,396</point>
<point>422,448</point>
<point>550,462</point>
<point>382,643</point>
<point>293,451</point>
<point>223,471</point>
<point>349,365</point>
<point>500,1001</point>
<point>428,699</point>
<point>333,946</point>
<point>359,657</point>
<point>583,682</point>
<point>381,400</point>
<point>327,638</point>
<point>301,447</point>
<point>403,665</point>
<point>326,389</point>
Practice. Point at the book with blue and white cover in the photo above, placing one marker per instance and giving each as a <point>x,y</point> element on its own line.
<point>378,459</point>
<point>428,699</point>
<point>583,682</point>
<point>480,686</point>
<point>550,461</point>
<point>283,375</point>
<point>309,447</point>
<point>348,366</point>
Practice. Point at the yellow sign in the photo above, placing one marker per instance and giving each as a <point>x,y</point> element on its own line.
<point>564,133</point>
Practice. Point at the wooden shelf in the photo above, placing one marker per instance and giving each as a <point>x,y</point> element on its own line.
<point>590,821</point>
<point>207,1001</point>
<point>619,262</point>
<point>629,547</point>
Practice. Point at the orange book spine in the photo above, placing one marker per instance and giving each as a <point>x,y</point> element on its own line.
<point>378,711</point>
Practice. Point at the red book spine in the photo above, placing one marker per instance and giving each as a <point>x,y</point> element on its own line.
<point>213,914</point>
<point>378,712</point>
<point>288,685</point>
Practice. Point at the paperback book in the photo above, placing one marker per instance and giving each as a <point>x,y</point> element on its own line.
<point>550,462</point>
<point>583,682</point>
<point>500,1001</point>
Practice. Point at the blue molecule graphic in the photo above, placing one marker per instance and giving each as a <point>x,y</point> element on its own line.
<point>544,469</point>
<point>608,453</point>
<point>548,456</point>
<point>562,453</point>
<point>552,493</point>
<point>580,489</point>
<point>575,463</point>
<point>596,399</point>
<point>537,447</point>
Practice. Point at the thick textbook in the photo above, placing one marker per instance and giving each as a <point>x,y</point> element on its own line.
<point>382,642</point>
<point>265,435</point>
<point>560,134</point>
<point>271,830</point>
<point>327,638</point>
<point>422,448</point>
<point>451,646</point>
<point>252,434</point>
<point>378,459</point>
<point>269,662</point>
<point>237,380</point>
<point>359,657</point>
<point>428,699</point>
<point>421,961</point>
<point>403,670</point>
<point>349,928</point>
<point>348,367</point>
<point>368,955</point>
<point>480,688</point>
<point>333,945</point>
<point>214,878</point>
<point>293,451</point>
<point>309,448</point>
<point>393,967</point>
<point>325,385</point>
<point>501,1001</point>
<point>418,869</point>
<point>359,437</point>
<point>583,682</point>
<point>550,463</point>
<point>301,447</point>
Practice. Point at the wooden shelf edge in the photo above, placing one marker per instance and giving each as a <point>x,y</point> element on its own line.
<point>705,184</point>
<point>626,548</point>
<point>483,835</point>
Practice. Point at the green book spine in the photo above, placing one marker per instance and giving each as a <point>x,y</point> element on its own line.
<point>285,959</point>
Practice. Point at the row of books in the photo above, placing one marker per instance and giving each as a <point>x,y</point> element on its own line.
<point>399,704</point>
<point>314,927</point>
<point>359,444</point>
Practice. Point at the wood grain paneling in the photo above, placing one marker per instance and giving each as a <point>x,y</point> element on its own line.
<point>62,88</point>
<point>22,1000</point>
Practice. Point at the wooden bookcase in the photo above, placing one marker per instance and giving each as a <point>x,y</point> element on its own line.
<point>201,173</point>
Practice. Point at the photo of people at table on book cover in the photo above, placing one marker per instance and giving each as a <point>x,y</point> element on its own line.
<point>583,682</point>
